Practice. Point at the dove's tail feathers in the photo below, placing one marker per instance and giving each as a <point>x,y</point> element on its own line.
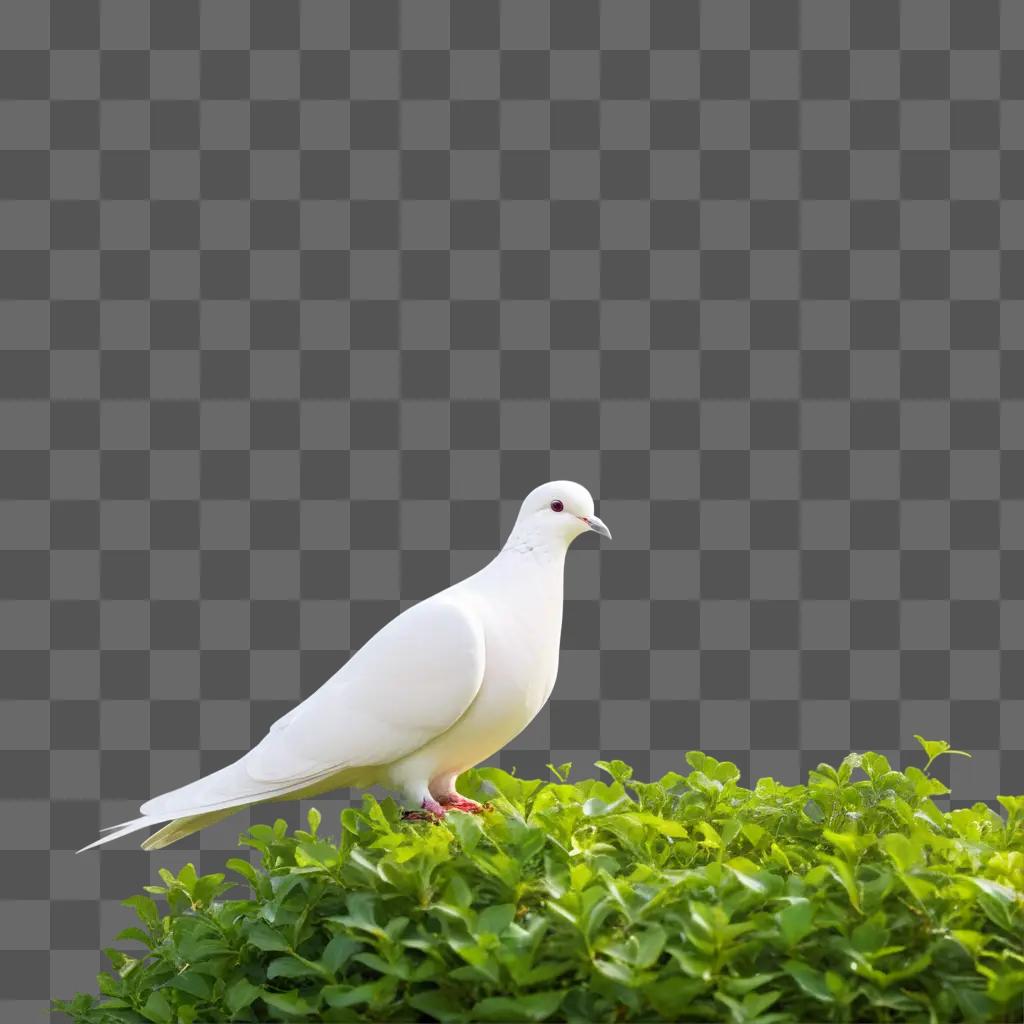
<point>117,831</point>
<point>186,824</point>
<point>184,819</point>
<point>170,833</point>
<point>229,787</point>
<point>181,827</point>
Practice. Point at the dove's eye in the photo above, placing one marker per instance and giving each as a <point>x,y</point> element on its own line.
<point>557,506</point>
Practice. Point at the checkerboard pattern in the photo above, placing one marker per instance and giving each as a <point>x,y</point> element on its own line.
<point>299,297</point>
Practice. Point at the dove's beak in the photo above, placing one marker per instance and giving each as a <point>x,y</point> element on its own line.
<point>597,526</point>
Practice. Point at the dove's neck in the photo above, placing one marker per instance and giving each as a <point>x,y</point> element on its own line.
<point>529,544</point>
<point>526,579</point>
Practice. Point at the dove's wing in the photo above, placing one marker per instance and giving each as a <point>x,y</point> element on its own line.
<point>411,682</point>
<point>408,684</point>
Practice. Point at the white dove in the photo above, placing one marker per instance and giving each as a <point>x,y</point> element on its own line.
<point>437,690</point>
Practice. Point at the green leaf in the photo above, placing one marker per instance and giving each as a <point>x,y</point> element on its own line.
<point>618,770</point>
<point>849,844</point>
<point>617,971</point>
<point>1014,806</point>
<point>145,909</point>
<point>240,994</point>
<point>935,748</point>
<point>442,1006</point>
<point>869,936</point>
<point>290,1002</point>
<point>245,869</point>
<point>795,920</point>
<point>811,981</point>
<point>496,919</point>
<point>904,853</point>
<point>535,1006</point>
<point>187,878</point>
<point>341,996</point>
<point>207,888</point>
<point>351,819</point>
<point>137,935</point>
<point>317,854</point>
<point>361,913</point>
<point>754,833</point>
<point>157,1008</point>
<point>748,875</point>
<point>711,837</point>
<point>663,826</point>
<point>843,873</point>
<point>313,817</point>
<point>672,996</point>
<point>741,986</point>
<point>999,904</point>
<point>976,1006</point>
<point>194,983</point>
<point>262,936</point>
<point>291,967</point>
<point>337,951</point>
<point>467,828</point>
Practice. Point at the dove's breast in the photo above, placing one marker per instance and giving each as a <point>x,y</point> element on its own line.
<point>522,632</point>
<point>521,663</point>
<point>522,625</point>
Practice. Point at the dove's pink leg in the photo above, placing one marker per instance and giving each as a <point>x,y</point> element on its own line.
<point>457,802</point>
<point>432,811</point>
<point>443,789</point>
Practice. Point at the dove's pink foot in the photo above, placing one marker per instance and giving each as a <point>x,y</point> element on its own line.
<point>432,811</point>
<point>456,802</point>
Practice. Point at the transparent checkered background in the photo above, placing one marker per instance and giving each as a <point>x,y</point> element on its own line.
<point>292,292</point>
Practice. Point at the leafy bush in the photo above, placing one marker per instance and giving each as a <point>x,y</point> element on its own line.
<point>850,898</point>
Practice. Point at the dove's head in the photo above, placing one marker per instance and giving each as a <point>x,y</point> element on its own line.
<point>559,511</point>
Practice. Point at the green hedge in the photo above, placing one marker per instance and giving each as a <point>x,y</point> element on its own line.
<point>850,898</point>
